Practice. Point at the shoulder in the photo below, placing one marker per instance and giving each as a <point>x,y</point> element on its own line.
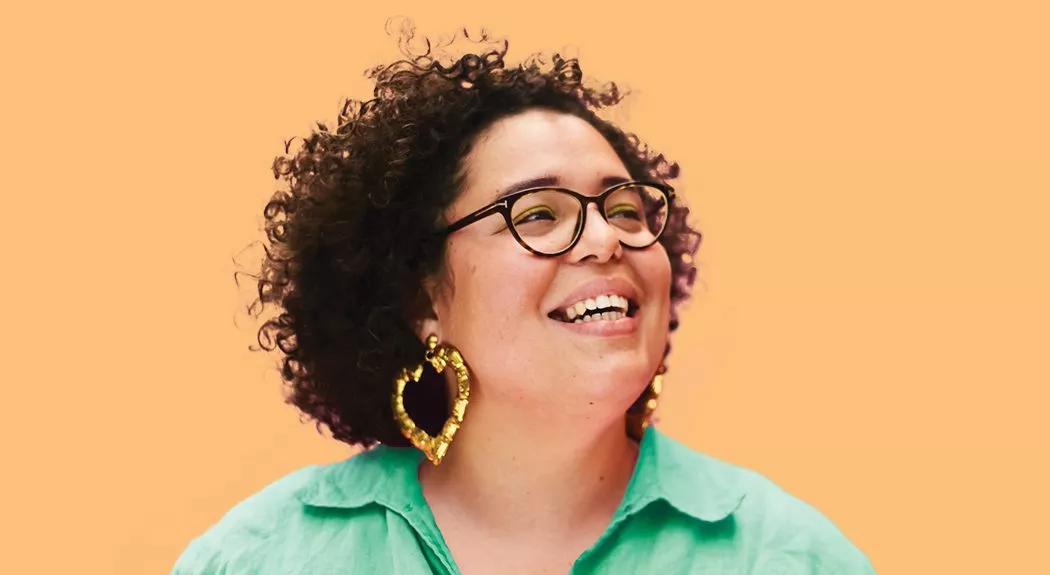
<point>788,534</point>
<point>794,533</point>
<point>293,517</point>
<point>246,527</point>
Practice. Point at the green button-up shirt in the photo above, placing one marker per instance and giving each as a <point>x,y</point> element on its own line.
<point>683,512</point>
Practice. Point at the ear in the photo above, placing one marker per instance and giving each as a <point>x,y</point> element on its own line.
<point>426,327</point>
<point>430,321</point>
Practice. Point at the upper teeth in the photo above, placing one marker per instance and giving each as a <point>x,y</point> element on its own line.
<point>601,302</point>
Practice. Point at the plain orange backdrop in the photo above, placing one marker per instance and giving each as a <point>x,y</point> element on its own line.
<point>871,331</point>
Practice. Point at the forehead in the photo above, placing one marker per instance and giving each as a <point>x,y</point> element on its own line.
<point>538,143</point>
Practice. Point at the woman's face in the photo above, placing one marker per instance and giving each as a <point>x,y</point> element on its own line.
<point>497,299</point>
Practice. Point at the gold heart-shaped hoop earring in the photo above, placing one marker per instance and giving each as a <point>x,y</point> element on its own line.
<point>438,356</point>
<point>638,423</point>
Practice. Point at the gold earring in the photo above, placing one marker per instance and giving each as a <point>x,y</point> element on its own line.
<point>638,423</point>
<point>438,356</point>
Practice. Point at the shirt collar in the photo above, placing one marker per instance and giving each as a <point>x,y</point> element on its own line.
<point>692,483</point>
<point>384,475</point>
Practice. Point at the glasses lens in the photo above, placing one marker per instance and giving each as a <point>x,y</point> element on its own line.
<point>638,212</point>
<point>546,220</point>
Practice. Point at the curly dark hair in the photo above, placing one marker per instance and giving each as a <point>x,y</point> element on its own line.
<point>351,238</point>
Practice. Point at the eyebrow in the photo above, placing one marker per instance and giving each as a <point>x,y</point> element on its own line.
<point>552,180</point>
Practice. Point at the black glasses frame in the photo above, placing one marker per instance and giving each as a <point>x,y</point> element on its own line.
<point>504,206</point>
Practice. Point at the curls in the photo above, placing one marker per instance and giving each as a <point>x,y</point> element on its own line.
<point>348,237</point>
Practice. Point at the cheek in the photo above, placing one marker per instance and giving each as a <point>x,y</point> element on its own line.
<point>654,270</point>
<point>495,293</point>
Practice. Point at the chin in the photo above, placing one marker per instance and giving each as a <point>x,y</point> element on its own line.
<point>612,379</point>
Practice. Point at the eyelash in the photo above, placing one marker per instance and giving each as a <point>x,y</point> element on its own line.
<point>525,218</point>
<point>634,212</point>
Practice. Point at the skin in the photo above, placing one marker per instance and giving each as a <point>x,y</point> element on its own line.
<point>542,460</point>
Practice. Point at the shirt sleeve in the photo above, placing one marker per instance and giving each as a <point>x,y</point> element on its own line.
<point>239,543</point>
<point>800,539</point>
<point>812,546</point>
<point>845,560</point>
<point>201,557</point>
<point>833,553</point>
<point>227,548</point>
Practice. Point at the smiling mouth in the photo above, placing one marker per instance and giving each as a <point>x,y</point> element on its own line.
<point>609,307</point>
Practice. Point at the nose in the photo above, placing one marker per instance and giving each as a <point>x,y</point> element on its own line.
<point>598,239</point>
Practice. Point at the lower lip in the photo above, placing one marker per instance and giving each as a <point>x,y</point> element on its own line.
<point>603,328</point>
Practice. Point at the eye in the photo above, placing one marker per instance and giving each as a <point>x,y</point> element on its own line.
<point>626,211</point>
<point>535,214</point>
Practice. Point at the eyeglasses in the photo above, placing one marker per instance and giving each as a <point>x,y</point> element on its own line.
<point>549,221</point>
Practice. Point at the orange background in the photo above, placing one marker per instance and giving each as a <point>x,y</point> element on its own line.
<point>872,181</point>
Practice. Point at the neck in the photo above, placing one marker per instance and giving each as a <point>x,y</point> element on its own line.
<point>511,473</point>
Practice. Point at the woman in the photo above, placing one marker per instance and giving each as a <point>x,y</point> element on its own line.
<point>484,221</point>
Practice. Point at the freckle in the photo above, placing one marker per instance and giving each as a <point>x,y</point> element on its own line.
<point>601,478</point>
<point>590,403</point>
